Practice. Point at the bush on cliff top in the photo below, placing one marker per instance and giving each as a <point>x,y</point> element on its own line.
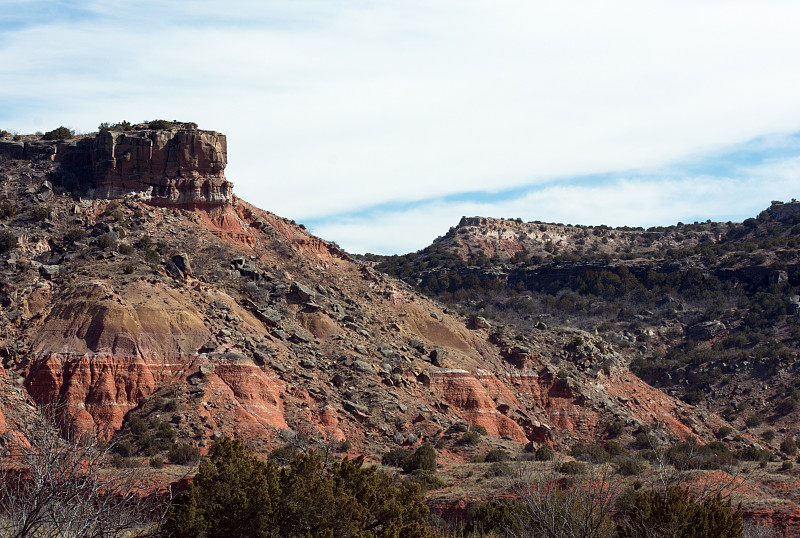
<point>61,133</point>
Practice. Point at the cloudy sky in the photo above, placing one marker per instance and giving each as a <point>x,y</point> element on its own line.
<point>379,124</point>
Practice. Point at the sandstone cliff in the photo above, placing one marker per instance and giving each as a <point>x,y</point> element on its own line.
<point>178,167</point>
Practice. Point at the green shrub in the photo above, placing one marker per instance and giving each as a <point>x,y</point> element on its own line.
<point>627,466</point>
<point>786,466</point>
<point>753,421</point>
<point>236,494</point>
<point>182,454</point>
<point>125,248</point>
<point>129,269</point>
<point>678,513</point>
<point>8,241</point>
<point>789,446</point>
<point>614,448</point>
<point>396,457</point>
<point>768,436</point>
<point>423,458</point>
<point>60,133</point>
<point>42,213</point>
<point>723,432</point>
<point>499,468</point>
<point>345,446</point>
<point>283,455</point>
<point>544,453</point>
<point>615,428</point>
<point>8,210</point>
<point>159,124</point>
<point>74,235</point>
<point>105,241</point>
<point>642,440</point>
<point>426,480</point>
<point>121,126</point>
<point>157,462</point>
<point>470,438</point>
<point>124,449</point>
<point>572,467</point>
<point>497,454</point>
<point>494,518</point>
<point>590,453</point>
<point>138,426</point>
<point>477,428</point>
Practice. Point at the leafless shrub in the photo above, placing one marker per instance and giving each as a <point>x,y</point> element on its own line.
<point>555,506</point>
<point>60,484</point>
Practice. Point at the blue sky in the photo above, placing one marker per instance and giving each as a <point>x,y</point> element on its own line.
<point>379,124</point>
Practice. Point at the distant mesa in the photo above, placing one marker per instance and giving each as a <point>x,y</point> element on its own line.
<point>176,164</point>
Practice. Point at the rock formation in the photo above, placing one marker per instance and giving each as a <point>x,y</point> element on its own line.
<point>178,167</point>
<point>183,167</point>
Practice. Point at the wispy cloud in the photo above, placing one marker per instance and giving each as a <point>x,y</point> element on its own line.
<point>642,198</point>
<point>335,107</point>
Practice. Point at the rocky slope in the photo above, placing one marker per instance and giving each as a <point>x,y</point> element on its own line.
<point>153,305</point>
<point>253,327</point>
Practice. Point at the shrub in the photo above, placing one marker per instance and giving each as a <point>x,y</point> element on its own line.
<point>572,467</point>
<point>423,458</point>
<point>677,512</point>
<point>494,518</point>
<point>642,440</point>
<point>74,235</point>
<point>182,454</point>
<point>282,455</point>
<point>60,133</point>
<point>159,124</point>
<point>8,241</point>
<point>105,241</point>
<point>121,126</point>
<point>345,446</point>
<point>426,480</point>
<point>544,453</point>
<point>42,213</point>
<point>8,210</point>
<point>396,457</point>
<point>125,248</point>
<point>789,446</point>
<point>236,494</point>
<point>499,468</point>
<point>124,449</point>
<point>157,462</point>
<point>768,436</point>
<point>497,454</point>
<point>129,269</point>
<point>470,438</point>
<point>477,428</point>
<point>138,427</point>
<point>615,428</point>
<point>614,448</point>
<point>753,421</point>
<point>591,453</point>
<point>628,466</point>
<point>786,466</point>
<point>723,432</point>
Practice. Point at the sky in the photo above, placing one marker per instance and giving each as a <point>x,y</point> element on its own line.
<point>379,124</point>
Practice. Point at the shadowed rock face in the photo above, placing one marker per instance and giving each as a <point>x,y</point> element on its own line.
<point>179,167</point>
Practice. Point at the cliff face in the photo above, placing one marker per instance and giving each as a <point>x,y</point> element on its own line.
<point>178,167</point>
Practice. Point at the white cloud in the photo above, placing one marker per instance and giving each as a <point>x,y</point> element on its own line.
<point>337,106</point>
<point>625,201</point>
